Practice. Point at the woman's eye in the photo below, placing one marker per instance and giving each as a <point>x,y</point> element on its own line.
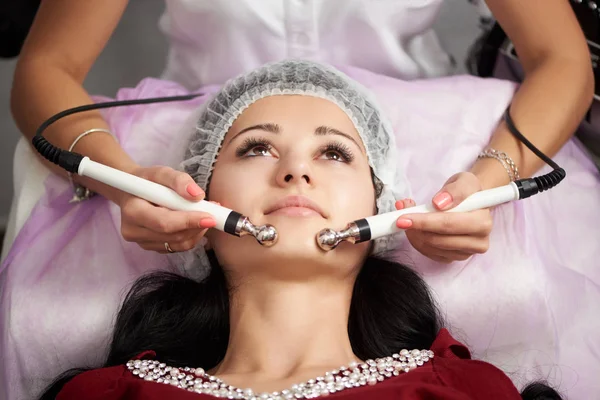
<point>260,150</point>
<point>334,156</point>
<point>338,152</point>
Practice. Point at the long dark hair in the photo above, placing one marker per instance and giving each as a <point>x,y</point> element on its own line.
<point>391,309</point>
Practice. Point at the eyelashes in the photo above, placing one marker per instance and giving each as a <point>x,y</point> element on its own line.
<point>339,151</point>
<point>251,144</point>
<point>259,147</point>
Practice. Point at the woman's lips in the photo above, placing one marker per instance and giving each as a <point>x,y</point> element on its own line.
<point>295,206</point>
<point>293,211</point>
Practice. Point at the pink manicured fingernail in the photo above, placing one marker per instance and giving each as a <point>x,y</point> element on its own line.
<point>194,190</point>
<point>207,223</point>
<point>215,202</point>
<point>404,223</point>
<point>442,200</point>
<point>399,205</point>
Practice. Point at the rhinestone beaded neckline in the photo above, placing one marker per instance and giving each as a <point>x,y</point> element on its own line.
<point>354,375</point>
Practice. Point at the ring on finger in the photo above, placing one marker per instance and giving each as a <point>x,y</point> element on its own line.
<point>168,248</point>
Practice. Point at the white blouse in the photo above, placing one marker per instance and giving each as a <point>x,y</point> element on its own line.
<point>213,40</point>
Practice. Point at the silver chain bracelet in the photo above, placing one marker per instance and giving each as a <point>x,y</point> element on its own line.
<point>507,162</point>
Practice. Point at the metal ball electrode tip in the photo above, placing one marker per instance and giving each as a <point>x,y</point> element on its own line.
<point>266,235</point>
<point>328,239</point>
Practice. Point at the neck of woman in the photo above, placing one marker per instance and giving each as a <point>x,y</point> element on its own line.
<point>284,332</point>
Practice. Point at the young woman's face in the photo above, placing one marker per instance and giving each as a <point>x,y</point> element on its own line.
<point>298,163</point>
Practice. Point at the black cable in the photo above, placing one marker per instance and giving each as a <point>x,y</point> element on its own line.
<point>513,129</point>
<point>70,160</point>
<point>109,104</point>
<point>530,186</point>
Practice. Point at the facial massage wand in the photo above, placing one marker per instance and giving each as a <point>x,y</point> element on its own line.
<point>380,225</point>
<point>227,220</point>
<point>385,224</point>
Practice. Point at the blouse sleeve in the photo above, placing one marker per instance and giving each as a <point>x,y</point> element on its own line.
<point>477,379</point>
<point>455,369</point>
<point>95,385</point>
<point>104,383</point>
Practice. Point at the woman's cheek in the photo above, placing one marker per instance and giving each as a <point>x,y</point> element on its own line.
<point>238,185</point>
<point>353,194</point>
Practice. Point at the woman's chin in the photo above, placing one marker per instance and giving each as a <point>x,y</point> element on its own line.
<point>297,235</point>
<point>296,254</point>
<point>299,225</point>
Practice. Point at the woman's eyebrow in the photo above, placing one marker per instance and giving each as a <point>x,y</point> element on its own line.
<point>327,130</point>
<point>276,129</point>
<point>268,127</point>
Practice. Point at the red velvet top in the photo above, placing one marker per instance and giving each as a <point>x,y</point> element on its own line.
<point>450,375</point>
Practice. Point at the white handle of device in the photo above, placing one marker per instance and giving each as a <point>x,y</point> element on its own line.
<point>385,224</point>
<point>150,191</point>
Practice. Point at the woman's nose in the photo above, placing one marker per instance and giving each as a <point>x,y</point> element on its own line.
<point>294,172</point>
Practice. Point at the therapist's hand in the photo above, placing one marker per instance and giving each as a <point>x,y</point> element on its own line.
<point>152,226</point>
<point>448,237</point>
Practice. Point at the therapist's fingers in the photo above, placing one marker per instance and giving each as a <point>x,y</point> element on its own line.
<point>477,223</point>
<point>180,182</point>
<point>456,189</point>
<point>139,212</point>
<point>404,203</point>
<point>439,255</point>
<point>401,205</point>
<point>446,237</point>
<point>467,244</point>
<point>431,252</point>
<point>175,246</point>
<point>141,234</point>
<point>163,220</point>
